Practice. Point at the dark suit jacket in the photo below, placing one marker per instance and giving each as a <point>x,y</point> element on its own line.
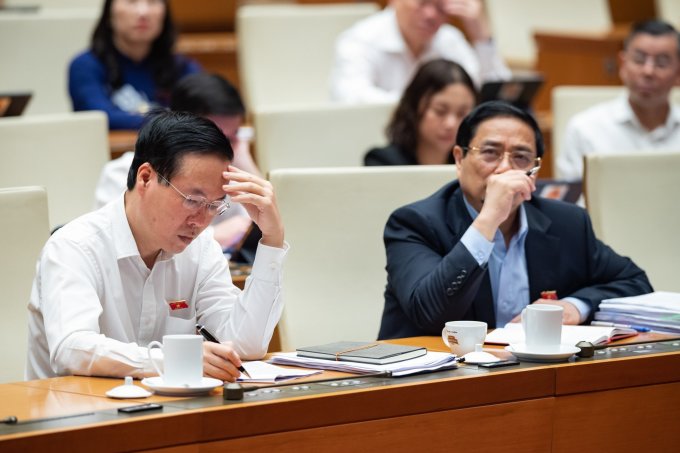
<point>432,278</point>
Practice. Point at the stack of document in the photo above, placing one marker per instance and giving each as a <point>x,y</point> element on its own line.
<point>265,372</point>
<point>660,311</point>
<point>432,361</point>
<point>513,333</point>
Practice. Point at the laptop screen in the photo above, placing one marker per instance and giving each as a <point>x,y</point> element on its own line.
<point>518,91</point>
<point>13,104</point>
<point>569,191</point>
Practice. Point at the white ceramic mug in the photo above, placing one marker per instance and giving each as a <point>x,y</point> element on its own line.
<point>182,359</point>
<point>542,324</point>
<point>462,336</point>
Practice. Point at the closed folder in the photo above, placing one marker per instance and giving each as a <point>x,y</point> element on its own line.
<point>362,352</point>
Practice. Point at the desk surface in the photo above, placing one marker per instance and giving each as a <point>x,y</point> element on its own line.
<point>534,407</point>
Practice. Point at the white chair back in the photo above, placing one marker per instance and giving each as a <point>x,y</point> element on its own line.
<point>330,135</point>
<point>567,101</point>
<point>285,52</point>
<point>36,49</point>
<point>24,228</point>
<point>335,271</point>
<point>669,10</point>
<point>63,152</point>
<point>514,23</point>
<point>633,203</point>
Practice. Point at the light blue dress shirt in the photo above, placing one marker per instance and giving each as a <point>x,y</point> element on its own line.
<point>507,268</point>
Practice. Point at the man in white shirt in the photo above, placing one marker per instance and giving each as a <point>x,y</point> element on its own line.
<point>642,120</point>
<point>377,57</point>
<point>213,97</point>
<point>112,281</point>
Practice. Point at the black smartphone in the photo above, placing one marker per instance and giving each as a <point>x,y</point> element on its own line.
<point>140,408</point>
<point>499,364</point>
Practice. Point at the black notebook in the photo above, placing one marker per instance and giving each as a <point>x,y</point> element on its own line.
<point>363,352</point>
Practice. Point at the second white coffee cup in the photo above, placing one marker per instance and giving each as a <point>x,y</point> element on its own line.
<point>462,336</point>
<point>542,325</point>
<point>182,359</point>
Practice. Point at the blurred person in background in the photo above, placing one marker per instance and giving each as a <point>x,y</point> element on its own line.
<point>424,125</point>
<point>377,57</point>
<point>642,119</point>
<point>130,66</point>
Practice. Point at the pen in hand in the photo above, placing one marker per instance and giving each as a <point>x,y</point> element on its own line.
<point>533,171</point>
<point>210,337</point>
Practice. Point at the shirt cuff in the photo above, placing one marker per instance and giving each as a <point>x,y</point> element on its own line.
<point>582,307</point>
<point>478,246</point>
<point>268,262</point>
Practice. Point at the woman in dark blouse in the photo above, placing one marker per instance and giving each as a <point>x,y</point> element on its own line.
<point>130,66</point>
<point>424,125</point>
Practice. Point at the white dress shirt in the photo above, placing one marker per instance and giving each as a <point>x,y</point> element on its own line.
<point>508,273</point>
<point>95,305</point>
<point>612,128</point>
<point>373,62</point>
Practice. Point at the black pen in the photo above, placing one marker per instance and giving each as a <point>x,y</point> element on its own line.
<point>210,337</point>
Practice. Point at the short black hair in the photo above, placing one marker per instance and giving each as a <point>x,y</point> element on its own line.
<point>431,78</point>
<point>206,94</point>
<point>652,27</point>
<point>166,137</point>
<point>495,109</point>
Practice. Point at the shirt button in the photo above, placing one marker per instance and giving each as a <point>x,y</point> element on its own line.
<point>449,291</point>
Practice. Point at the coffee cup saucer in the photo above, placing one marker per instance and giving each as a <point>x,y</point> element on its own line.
<point>558,354</point>
<point>156,384</point>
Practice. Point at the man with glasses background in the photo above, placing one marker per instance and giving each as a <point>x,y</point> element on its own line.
<point>112,281</point>
<point>641,120</point>
<point>482,248</point>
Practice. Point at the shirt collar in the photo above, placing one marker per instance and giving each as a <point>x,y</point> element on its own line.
<point>124,241</point>
<point>392,39</point>
<point>673,119</point>
<point>623,113</point>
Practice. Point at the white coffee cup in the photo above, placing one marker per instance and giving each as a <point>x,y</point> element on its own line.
<point>542,324</point>
<point>182,359</point>
<point>462,336</point>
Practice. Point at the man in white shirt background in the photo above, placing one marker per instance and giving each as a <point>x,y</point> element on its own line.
<point>112,281</point>
<point>377,57</point>
<point>641,120</point>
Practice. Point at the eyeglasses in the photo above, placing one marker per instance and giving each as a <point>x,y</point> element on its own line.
<point>519,160</point>
<point>662,61</point>
<point>195,203</point>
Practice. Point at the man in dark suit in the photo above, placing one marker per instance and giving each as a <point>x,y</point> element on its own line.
<point>481,248</point>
